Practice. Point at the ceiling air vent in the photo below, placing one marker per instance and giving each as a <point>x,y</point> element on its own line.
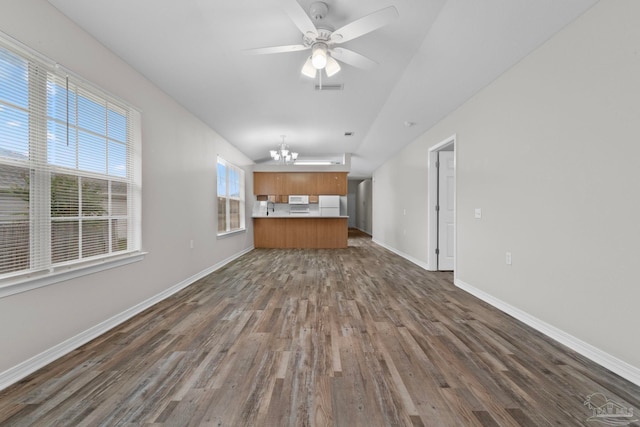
<point>330,87</point>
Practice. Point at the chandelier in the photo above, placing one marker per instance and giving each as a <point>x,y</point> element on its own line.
<point>283,154</point>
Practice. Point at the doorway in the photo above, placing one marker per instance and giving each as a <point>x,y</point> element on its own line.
<point>441,203</point>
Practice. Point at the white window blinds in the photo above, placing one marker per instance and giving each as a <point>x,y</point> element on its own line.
<point>69,168</point>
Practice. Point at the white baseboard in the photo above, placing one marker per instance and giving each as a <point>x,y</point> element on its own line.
<point>363,230</point>
<point>417,262</point>
<point>18,372</point>
<point>625,370</point>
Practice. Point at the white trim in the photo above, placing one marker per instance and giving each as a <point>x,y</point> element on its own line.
<point>612,363</point>
<point>417,262</point>
<point>18,372</point>
<point>230,233</point>
<point>622,368</point>
<point>432,200</point>
<point>27,282</point>
<point>365,232</point>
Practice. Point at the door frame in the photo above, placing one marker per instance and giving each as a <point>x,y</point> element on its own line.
<point>432,201</point>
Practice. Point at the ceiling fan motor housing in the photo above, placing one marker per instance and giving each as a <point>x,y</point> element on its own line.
<point>318,10</point>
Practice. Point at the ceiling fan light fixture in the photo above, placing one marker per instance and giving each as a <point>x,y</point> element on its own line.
<point>308,69</point>
<point>319,56</point>
<point>332,66</point>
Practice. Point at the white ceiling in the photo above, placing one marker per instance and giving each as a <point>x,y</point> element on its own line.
<point>434,57</point>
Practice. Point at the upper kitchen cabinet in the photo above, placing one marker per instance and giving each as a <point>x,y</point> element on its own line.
<point>311,183</point>
<point>301,183</point>
<point>269,183</point>
<point>332,183</point>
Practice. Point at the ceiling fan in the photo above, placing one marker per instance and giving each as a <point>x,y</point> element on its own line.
<point>323,40</point>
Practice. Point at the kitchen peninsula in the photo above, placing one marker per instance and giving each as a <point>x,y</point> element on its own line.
<point>280,221</point>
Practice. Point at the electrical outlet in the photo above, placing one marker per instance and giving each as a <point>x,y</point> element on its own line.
<point>191,243</point>
<point>508,258</point>
<point>404,212</point>
<point>477,213</point>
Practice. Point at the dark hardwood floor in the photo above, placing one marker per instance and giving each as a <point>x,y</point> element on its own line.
<point>347,337</point>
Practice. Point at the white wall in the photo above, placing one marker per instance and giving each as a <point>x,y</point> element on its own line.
<point>550,151</point>
<point>352,202</point>
<point>178,178</point>
<point>364,202</point>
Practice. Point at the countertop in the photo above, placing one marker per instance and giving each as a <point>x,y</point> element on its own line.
<point>288,215</point>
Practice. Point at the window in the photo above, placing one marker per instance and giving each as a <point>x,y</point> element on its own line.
<point>69,170</point>
<point>230,197</point>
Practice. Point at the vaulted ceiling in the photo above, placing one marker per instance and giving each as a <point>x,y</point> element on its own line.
<point>430,60</point>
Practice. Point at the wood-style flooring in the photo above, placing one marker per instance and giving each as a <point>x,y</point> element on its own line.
<point>313,337</point>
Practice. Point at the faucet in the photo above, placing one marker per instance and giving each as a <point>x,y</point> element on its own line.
<point>273,207</point>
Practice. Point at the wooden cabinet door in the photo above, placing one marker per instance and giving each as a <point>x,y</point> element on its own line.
<point>300,183</point>
<point>331,233</point>
<point>295,183</point>
<point>341,183</point>
<point>269,232</point>
<point>332,183</point>
<point>285,183</point>
<point>280,182</point>
<point>263,183</point>
<point>269,183</point>
<point>323,182</point>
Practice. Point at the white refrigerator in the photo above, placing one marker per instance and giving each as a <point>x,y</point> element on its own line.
<point>329,205</point>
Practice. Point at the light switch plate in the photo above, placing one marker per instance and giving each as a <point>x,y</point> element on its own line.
<point>478,213</point>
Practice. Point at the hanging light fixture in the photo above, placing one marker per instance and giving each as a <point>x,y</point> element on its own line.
<point>319,56</point>
<point>332,66</point>
<point>320,59</point>
<point>283,154</point>
<point>308,69</point>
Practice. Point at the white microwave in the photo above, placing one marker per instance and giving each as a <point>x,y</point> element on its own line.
<point>298,200</point>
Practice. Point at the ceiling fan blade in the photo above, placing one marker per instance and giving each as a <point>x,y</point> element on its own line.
<point>276,49</point>
<point>300,18</point>
<point>364,25</point>
<point>352,58</point>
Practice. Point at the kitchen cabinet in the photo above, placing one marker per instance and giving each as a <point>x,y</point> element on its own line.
<point>300,183</point>
<point>331,233</point>
<point>303,232</point>
<point>311,183</point>
<point>332,183</point>
<point>269,183</point>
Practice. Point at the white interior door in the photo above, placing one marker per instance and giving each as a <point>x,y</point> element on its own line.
<point>446,214</point>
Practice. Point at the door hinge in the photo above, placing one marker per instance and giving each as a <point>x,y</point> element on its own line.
<point>437,208</point>
<point>437,251</point>
<point>438,163</point>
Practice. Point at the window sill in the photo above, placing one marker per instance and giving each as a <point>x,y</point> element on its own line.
<point>231,233</point>
<point>37,280</point>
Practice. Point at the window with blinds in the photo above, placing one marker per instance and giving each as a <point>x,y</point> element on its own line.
<point>69,162</point>
<point>230,189</point>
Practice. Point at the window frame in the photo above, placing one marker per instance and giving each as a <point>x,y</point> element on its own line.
<point>241,198</point>
<point>41,270</point>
